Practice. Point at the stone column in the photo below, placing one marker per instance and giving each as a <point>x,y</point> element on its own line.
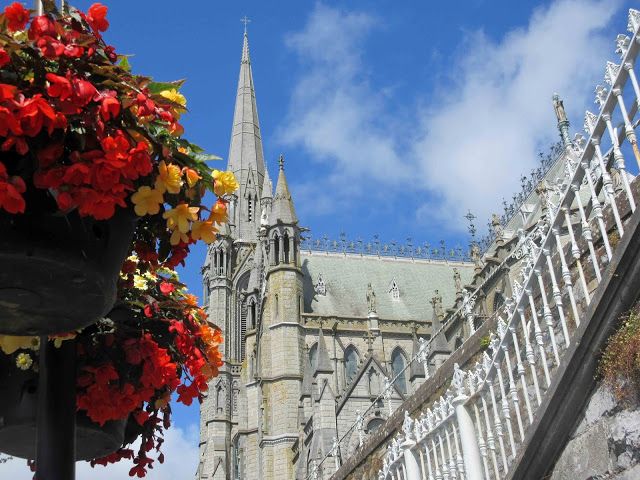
<point>281,247</point>
<point>411,466</point>
<point>468,440</point>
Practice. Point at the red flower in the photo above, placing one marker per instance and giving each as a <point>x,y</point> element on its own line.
<point>51,178</point>
<point>139,162</point>
<point>109,105</point>
<point>166,288</point>
<point>7,92</point>
<point>73,51</point>
<point>83,92</point>
<point>65,201</point>
<point>141,416</point>
<point>35,113</point>
<point>145,105</point>
<point>42,26</point>
<point>4,57</point>
<point>49,154</point>
<point>148,311</point>
<point>8,122</point>
<point>50,47</point>
<point>11,199</point>
<point>17,16</point>
<point>96,16</point>
<point>18,143</point>
<point>77,174</point>
<point>59,87</point>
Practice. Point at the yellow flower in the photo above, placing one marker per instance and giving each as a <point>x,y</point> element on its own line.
<point>219,212</point>
<point>10,343</point>
<point>204,230</point>
<point>169,178</point>
<point>139,282</point>
<point>149,276</point>
<point>224,182</point>
<point>175,96</point>
<point>179,217</point>
<point>192,176</point>
<point>24,361</point>
<point>177,236</point>
<point>147,201</point>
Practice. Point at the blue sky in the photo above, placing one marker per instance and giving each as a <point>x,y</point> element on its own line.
<point>394,117</point>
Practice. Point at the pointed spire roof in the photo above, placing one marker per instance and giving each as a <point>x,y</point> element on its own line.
<point>323,364</point>
<point>246,142</point>
<point>267,186</point>
<point>439,344</point>
<point>282,210</point>
<point>417,368</point>
<point>246,157</point>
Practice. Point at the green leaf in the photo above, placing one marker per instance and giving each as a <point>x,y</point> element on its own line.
<point>157,87</point>
<point>123,62</point>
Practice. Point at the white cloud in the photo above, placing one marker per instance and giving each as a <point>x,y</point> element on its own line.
<point>491,114</point>
<point>181,456</point>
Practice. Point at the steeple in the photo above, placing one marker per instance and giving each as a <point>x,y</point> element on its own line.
<point>282,210</point>
<point>267,188</point>
<point>246,158</point>
<point>323,364</point>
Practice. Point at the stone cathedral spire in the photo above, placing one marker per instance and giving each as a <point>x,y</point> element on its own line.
<point>246,158</point>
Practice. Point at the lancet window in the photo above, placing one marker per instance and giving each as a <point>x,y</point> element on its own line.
<point>351,358</point>
<point>398,363</point>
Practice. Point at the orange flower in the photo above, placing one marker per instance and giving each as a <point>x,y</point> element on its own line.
<point>204,230</point>
<point>192,176</point>
<point>219,212</point>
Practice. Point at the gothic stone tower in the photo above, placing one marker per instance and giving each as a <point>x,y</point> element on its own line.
<point>227,275</point>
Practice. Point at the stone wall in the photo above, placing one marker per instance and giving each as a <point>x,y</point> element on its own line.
<point>605,444</point>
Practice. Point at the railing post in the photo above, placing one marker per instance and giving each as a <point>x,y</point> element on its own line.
<point>411,466</point>
<point>468,440</point>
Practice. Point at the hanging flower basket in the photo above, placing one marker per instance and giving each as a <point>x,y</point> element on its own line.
<point>18,410</point>
<point>59,271</point>
<point>85,145</point>
<point>155,343</point>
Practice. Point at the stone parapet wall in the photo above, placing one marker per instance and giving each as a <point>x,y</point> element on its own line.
<point>605,444</point>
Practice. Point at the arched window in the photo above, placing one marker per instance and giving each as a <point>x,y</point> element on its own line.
<point>276,249</point>
<point>350,363</point>
<point>398,362</point>
<point>286,247</point>
<point>313,352</point>
<point>374,424</point>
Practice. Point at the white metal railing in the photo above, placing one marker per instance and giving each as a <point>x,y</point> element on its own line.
<point>473,431</point>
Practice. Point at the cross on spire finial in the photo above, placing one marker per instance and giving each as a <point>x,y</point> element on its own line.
<point>245,21</point>
<point>281,162</point>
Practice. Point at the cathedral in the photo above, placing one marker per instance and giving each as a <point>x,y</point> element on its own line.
<point>312,335</point>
